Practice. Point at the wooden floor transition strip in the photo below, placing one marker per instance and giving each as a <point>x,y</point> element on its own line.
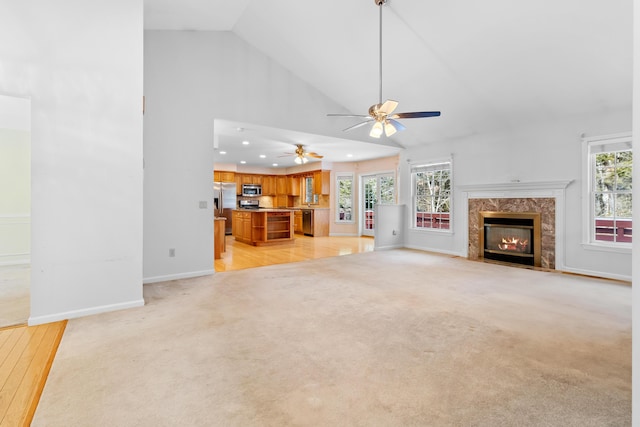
<point>26,356</point>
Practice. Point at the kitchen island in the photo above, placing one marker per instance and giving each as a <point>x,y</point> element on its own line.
<point>263,226</point>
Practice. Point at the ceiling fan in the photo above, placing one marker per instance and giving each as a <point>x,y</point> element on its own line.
<point>301,155</point>
<point>382,114</point>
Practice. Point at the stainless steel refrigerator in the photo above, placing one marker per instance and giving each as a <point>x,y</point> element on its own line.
<point>224,202</point>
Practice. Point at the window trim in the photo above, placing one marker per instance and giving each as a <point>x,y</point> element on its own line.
<point>588,219</point>
<point>412,211</point>
<point>351,176</point>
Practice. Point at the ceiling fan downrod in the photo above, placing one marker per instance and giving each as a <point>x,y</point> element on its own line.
<point>380,3</point>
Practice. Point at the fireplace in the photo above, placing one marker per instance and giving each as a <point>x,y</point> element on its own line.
<point>513,237</point>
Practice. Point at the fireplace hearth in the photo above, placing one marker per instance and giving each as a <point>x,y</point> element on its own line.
<point>512,237</point>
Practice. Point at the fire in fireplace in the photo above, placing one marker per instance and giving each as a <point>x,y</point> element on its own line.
<point>510,237</point>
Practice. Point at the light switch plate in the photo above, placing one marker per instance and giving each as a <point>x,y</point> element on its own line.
<point>203,204</point>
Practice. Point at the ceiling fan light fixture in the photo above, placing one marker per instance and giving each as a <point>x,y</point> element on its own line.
<point>389,128</point>
<point>376,130</point>
<point>300,160</point>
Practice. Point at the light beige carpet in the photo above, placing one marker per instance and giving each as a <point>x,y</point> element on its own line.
<point>392,338</point>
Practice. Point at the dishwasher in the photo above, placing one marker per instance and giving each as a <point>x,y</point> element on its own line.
<point>307,222</point>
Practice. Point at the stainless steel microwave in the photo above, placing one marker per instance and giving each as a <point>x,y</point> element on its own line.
<point>249,190</point>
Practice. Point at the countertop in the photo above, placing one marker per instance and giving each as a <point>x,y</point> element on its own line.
<point>266,210</point>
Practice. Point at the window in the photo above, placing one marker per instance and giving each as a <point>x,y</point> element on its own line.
<point>308,189</point>
<point>344,201</point>
<point>610,165</point>
<point>431,196</point>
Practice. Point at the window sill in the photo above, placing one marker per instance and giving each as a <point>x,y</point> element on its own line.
<point>432,230</point>
<point>622,248</point>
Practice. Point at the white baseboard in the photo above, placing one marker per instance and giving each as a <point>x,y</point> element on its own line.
<point>388,247</point>
<point>439,251</point>
<point>558,268</point>
<point>23,261</point>
<point>595,274</point>
<point>168,277</point>
<point>39,320</point>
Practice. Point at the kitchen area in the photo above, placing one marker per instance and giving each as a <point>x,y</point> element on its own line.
<point>263,210</point>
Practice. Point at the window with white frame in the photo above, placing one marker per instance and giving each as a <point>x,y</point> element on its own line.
<point>431,196</point>
<point>610,208</point>
<point>344,198</point>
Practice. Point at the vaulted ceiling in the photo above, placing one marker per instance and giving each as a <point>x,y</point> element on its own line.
<point>486,65</point>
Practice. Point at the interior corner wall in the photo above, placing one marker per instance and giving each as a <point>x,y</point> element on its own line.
<point>80,63</point>
<point>533,153</point>
<point>192,78</point>
<point>635,351</point>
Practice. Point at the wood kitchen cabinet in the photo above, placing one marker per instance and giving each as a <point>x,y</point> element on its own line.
<point>239,179</point>
<point>297,221</point>
<point>241,226</point>
<point>268,185</point>
<point>251,179</point>
<point>263,227</point>
<point>321,222</point>
<point>282,184</point>
<point>224,176</point>
<point>281,201</point>
<point>294,185</point>
<point>321,182</point>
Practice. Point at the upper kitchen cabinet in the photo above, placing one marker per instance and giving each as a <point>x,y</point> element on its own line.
<point>251,179</point>
<point>294,185</point>
<point>321,182</point>
<point>282,183</point>
<point>224,176</point>
<point>268,185</point>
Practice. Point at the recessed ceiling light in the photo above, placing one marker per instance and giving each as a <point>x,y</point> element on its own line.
<point>349,155</point>
<point>262,156</point>
<point>240,129</point>
<point>245,142</point>
<point>243,162</point>
<point>275,164</point>
<point>223,152</point>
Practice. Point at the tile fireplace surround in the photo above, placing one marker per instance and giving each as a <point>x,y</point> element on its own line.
<point>547,198</point>
<point>545,206</point>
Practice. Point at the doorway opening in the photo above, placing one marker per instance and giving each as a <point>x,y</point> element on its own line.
<point>375,189</point>
<point>15,210</point>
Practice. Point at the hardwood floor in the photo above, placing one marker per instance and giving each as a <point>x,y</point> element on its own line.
<point>241,255</point>
<point>26,355</point>
<point>27,352</point>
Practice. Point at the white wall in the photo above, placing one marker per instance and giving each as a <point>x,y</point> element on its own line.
<point>192,78</point>
<point>390,226</point>
<point>80,63</point>
<point>15,180</point>
<point>541,152</point>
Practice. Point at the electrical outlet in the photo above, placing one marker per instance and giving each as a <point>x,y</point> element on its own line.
<point>172,252</point>
<point>203,204</point>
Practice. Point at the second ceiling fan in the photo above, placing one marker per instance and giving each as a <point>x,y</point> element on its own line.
<point>382,114</point>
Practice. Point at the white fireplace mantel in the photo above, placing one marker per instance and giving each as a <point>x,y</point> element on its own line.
<point>515,189</point>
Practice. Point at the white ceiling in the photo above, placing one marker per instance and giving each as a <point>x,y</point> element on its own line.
<point>491,65</point>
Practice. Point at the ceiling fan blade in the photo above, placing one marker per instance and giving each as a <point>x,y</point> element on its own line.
<point>358,124</point>
<point>314,155</point>
<point>415,115</point>
<point>388,106</point>
<point>348,115</point>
